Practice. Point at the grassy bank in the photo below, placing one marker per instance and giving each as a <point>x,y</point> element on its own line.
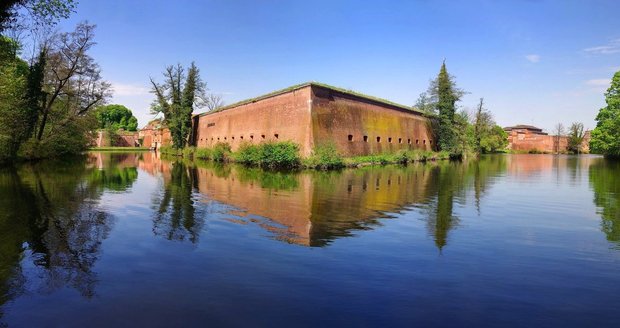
<point>285,155</point>
<point>118,149</point>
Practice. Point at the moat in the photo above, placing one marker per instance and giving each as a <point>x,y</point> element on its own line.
<point>131,239</point>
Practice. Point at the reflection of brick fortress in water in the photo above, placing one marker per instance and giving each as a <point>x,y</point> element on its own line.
<point>300,207</point>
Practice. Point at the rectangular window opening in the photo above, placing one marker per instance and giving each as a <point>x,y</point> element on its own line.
<point>350,137</point>
<point>365,138</point>
<point>378,139</point>
<point>276,135</point>
<point>390,139</point>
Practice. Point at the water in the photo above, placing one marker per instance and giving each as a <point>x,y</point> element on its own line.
<point>134,240</point>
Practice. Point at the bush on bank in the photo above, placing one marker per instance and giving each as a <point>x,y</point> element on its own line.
<point>285,155</point>
<point>325,157</point>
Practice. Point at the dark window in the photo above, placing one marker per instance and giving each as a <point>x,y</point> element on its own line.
<point>424,141</point>
<point>409,141</point>
<point>262,136</point>
<point>378,139</point>
<point>224,138</point>
<point>400,140</point>
<point>365,138</point>
<point>276,136</point>
<point>252,137</point>
<point>417,141</point>
<point>241,137</point>
<point>218,138</point>
<point>350,137</point>
<point>233,137</point>
<point>431,142</point>
<point>390,139</point>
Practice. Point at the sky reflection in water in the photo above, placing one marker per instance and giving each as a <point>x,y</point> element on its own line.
<point>510,239</point>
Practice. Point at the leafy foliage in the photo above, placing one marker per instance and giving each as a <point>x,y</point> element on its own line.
<point>325,156</point>
<point>34,14</point>
<point>116,117</point>
<point>488,136</point>
<point>440,100</point>
<point>606,136</point>
<point>13,88</point>
<point>575,137</point>
<point>269,155</point>
<point>176,99</point>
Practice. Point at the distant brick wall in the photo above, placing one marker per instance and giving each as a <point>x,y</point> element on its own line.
<point>524,140</point>
<point>123,139</point>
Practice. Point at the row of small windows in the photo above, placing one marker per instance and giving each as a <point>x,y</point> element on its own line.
<point>400,140</point>
<point>262,136</point>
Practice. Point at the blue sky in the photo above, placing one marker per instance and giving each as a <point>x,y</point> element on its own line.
<point>534,62</point>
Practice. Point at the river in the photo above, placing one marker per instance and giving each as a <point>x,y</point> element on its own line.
<point>131,239</point>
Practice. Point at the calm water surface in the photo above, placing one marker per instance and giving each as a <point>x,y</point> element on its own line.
<point>134,240</point>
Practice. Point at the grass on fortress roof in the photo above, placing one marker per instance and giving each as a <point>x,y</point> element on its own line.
<point>323,85</point>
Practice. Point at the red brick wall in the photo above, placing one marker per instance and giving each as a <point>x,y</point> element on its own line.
<point>286,115</point>
<point>312,115</point>
<point>524,140</point>
<point>358,126</point>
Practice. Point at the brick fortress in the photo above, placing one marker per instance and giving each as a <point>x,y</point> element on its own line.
<point>310,114</point>
<point>527,138</point>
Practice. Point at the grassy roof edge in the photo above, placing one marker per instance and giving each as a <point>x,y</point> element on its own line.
<point>306,84</point>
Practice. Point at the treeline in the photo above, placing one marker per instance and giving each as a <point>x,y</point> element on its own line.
<point>606,136</point>
<point>47,102</point>
<point>459,132</point>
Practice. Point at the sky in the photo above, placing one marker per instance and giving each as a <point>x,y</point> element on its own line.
<point>533,62</point>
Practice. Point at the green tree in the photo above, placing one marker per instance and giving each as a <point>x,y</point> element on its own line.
<point>176,99</point>
<point>488,136</point>
<point>116,117</point>
<point>440,100</point>
<point>34,13</point>
<point>13,89</point>
<point>606,136</point>
<point>575,137</point>
<point>494,140</point>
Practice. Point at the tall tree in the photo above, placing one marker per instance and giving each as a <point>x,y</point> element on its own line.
<point>488,136</point>
<point>606,136</point>
<point>214,101</point>
<point>15,13</point>
<point>575,137</point>
<point>73,81</point>
<point>440,100</point>
<point>558,132</point>
<point>177,98</point>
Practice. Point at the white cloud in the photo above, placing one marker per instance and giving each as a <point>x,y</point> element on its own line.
<point>122,89</point>
<point>612,47</point>
<point>598,82</point>
<point>533,58</point>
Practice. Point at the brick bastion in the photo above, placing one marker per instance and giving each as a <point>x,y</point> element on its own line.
<point>311,114</point>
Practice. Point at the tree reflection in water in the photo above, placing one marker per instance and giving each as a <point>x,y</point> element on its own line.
<point>177,217</point>
<point>50,217</point>
<point>605,182</point>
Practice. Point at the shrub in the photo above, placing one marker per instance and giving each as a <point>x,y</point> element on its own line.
<point>188,152</point>
<point>279,155</point>
<point>324,157</point>
<point>220,152</point>
<point>169,150</point>
<point>203,153</point>
<point>248,154</point>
